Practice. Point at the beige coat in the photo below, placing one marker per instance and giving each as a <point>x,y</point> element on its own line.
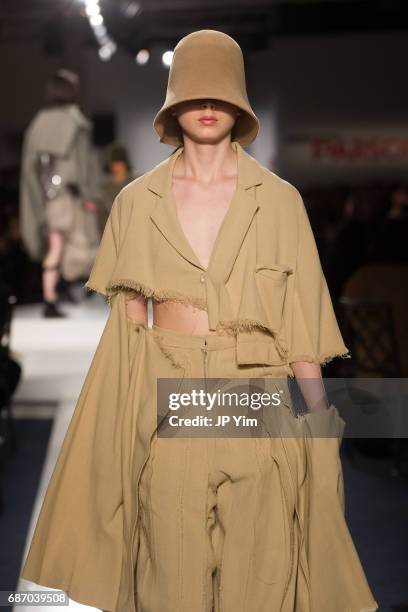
<point>64,133</point>
<point>264,282</point>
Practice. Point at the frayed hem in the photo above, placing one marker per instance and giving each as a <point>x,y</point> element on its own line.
<point>243,325</point>
<point>92,288</point>
<point>156,294</point>
<point>167,353</point>
<point>321,359</point>
<point>236,325</point>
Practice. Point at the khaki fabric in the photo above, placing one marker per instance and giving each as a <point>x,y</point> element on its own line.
<point>87,540</point>
<point>245,524</point>
<point>64,133</point>
<point>264,281</point>
<point>266,295</point>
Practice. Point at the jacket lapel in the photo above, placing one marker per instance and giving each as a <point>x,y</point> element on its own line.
<point>164,214</point>
<point>236,223</point>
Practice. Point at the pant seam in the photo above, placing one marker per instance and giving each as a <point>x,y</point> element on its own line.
<point>206,537</point>
<point>225,550</point>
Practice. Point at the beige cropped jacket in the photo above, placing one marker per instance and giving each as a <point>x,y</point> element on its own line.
<point>264,279</point>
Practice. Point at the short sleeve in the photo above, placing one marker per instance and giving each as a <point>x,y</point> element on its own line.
<point>315,335</point>
<point>107,254</point>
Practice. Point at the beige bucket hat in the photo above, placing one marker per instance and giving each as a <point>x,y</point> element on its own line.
<point>207,64</point>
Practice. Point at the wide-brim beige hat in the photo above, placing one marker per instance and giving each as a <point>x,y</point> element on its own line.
<point>207,64</point>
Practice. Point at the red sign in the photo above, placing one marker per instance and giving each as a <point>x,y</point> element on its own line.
<point>380,148</point>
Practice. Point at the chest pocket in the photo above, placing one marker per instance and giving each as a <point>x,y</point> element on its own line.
<point>271,284</point>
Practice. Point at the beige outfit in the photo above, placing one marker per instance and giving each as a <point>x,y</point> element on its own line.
<point>137,523</point>
<point>64,134</point>
<point>265,292</point>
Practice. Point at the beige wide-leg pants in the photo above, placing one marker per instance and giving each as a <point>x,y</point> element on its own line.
<point>214,526</point>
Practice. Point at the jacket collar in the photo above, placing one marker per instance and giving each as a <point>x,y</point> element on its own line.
<point>236,223</point>
<point>249,170</point>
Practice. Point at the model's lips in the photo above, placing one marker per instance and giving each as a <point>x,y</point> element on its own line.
<point>208,120</point>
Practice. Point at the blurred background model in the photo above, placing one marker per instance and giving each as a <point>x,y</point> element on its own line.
<point>58,173</point>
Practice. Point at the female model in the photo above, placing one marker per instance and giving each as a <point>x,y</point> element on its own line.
<point>137,521</point>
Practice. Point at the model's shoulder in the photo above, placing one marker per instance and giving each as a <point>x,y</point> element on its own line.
<point>137,187</point>
<point>272,183</point>
<point>132,190</point>
<point>133,186</point>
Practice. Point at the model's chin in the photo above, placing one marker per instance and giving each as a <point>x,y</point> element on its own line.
<point>206,135</point>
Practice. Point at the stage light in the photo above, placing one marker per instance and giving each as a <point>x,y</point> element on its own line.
<point>131,9</point>
<point>105,53</point>
<point>167,58</point>
<point>107,46</point>
<point>92,9</point>
<point>142,57</point>
<point>99,31</point>
<point>96,20</point>
<point>107,50</point>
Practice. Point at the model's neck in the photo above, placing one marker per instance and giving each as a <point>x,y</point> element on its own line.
<point>206,163</point>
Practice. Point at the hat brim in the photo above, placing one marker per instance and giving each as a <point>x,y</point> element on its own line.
<point>166,125</point>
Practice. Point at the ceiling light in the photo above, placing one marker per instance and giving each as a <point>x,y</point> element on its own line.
<point>99,30</point>
<point>167,58</point>
<point>142,57</point>
<point>131,9</point>
<point>96,20</point>
<point>107,50</point>
<point>92,9</point>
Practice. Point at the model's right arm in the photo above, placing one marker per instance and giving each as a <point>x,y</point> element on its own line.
<point>136,309</point>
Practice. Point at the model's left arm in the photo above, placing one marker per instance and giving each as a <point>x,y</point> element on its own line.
<point>315,337</point>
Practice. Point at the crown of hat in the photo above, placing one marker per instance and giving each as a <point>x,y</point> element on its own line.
<point>207,64</point>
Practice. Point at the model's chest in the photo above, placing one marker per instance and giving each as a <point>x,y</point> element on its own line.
<point>188,244</point>
<point>244,288</point>
<point>201,212</point>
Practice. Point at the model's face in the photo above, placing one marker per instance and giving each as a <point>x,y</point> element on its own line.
<point>192,117</point>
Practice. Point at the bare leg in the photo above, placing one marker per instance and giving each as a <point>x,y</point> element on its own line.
<point>51,272</point>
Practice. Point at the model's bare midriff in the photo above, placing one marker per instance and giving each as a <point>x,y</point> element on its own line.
<point>201,211</point>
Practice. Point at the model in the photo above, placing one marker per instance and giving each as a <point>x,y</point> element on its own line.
<point>58,177</point>
<point>138,522</point>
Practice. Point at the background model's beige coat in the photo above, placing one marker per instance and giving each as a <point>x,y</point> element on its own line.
<point>265,283</point>
<point>64,133</point>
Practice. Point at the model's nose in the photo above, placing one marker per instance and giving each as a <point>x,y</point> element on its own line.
<point>208,104</point>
